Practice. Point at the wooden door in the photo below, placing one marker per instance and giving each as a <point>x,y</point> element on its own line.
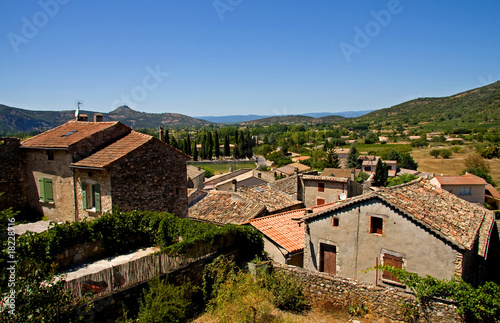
<point>328,259</point>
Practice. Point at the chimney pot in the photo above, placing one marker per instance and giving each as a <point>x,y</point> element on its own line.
<point>83,117</point>
<point>98,117</point>
<point>235,185</point>
<point>161,134</point>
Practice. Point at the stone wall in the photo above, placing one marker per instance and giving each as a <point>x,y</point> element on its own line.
<point>151,178</point>
<point>79,253</point>
<point>13,174</point>
<point>384,302</point>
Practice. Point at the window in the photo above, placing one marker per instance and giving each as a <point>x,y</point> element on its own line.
<point>45,190</point>
<point>335,222</point>
<point>50,155</point>
<point>320,201</point>
<point>321,187</point>
<point>394,260</point>
<point>69,133</point>
<point>91,197</point>
<point>376,225</point>
<point>465,191</point>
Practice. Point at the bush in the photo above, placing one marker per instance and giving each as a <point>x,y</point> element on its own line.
<point>405,178</point>
<point>435,153</point>
<point>209,172</point>
<point>164,302</point>
<point>446,153</point>
<point>288,292</point>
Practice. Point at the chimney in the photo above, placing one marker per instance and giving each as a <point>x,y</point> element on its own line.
<point>295,171</point>
<point>161,134</point>
<point>353,174</point>
<point>83,117</point>
<point>235,185</point>
<point>97,117</point>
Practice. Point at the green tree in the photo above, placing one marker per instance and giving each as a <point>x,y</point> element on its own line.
<point>352,158</point>
<point>332,159</point>
<point>216,144</point>
<point>435,153</point>
<point>446,153</point>
<point>381,173</point>
<point>188,145</point>
<point>227,148</point>
<point>195,151</point>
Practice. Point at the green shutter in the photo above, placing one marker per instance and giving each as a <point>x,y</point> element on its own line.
<point>84,195</point>
<point>97,197</point>
<point>41,189</point>
<point>49,195</point>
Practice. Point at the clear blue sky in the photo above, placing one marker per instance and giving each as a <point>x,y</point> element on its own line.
<point>205,57</point>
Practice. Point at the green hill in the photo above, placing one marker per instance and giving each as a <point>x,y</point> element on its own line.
<point>13,120</point>
<point>477,106</point>
<point>291,120</point>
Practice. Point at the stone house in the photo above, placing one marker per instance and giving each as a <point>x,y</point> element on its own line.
<point>80,169</point>
<point>195,177</point>
<point>424,229</point>
<point>468,187</point>
<point>351,173</point>
<point>318,190</point>
<point>292,169</point>
<point>239,178</point>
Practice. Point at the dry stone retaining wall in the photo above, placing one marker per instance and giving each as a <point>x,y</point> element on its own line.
<point>385,302</point>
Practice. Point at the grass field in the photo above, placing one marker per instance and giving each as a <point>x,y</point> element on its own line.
<point>224,168</point>
<point>450,166</point>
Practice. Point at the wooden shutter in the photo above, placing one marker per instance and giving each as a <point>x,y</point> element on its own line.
<point>97,197</point>
<point>49,195</point>
<point>84,195</point>
<point>320,201</point>
<point>321,187</point>
<point>41,189</point>
<point>396,262</point>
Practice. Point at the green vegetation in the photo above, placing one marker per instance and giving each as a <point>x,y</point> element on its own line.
<point>405,178</point>
<point>234,295</point>
<point>219,168</point>
<point>481,304</point>
<point>477,165</point>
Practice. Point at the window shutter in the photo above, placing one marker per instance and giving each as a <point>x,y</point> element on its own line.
<point>84,195</point>
<point>49,195</point>
<point>396,262</point>
<point>41,189</point>
<point>97,197</point>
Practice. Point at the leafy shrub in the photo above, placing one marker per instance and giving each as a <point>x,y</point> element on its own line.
<point>209,172</point>
<point>435,153</point>
<point>288,292</point>
<point>164,302</point>
<point>405,178</point>
<point>446,153</point>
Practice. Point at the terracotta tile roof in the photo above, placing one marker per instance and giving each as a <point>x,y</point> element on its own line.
<point>490,190</point>
<point>339,172</point>
<point>272,198</point>
<point>290,168</point>
<point>214,180</point>
<point>225,207</point>
<point>193,172</point>
<point>447,216</point>
<point>285,229</point>
<point>297,159</point>
<point>67,134</point>
<point>467,179</point>
<point>115,151</point>
<point>287,185</point>
<point>325,178</point>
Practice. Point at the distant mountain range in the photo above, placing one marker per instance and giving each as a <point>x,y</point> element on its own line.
<point>479,106</point>
<point>232,119</point>
<point>13,120</point>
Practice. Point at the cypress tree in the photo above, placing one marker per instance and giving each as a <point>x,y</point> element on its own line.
<point>227,148</point>
<point>188,145</point>
<point>195,152</point>
<point>352,158</point>
<point>173,142</point>
<point>216,144</point>
<point>210,145</point>
<point>167,137</point>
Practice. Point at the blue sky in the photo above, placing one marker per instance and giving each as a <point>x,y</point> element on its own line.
<point>243,56</point>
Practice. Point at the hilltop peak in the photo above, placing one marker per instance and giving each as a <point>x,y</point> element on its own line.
<point>123,109</point>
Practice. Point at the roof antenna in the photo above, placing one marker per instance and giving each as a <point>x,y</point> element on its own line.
<point>77,111</point>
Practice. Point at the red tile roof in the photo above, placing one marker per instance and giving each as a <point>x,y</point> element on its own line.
<point>115,151</point>
<point>490,190</point>
<point>447,216</point>
<point>284,229</point>
<point>467,179</point>
<point>67,134</point>
<point>274,199</point>
<point>225,207</point>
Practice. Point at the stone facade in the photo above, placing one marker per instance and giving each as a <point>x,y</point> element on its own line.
<point>151,178</point>
<point>13,175</point>
<point>317,190</point>
<point>358,249</point>
<point>384,302</point>
<point>40,166</point>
